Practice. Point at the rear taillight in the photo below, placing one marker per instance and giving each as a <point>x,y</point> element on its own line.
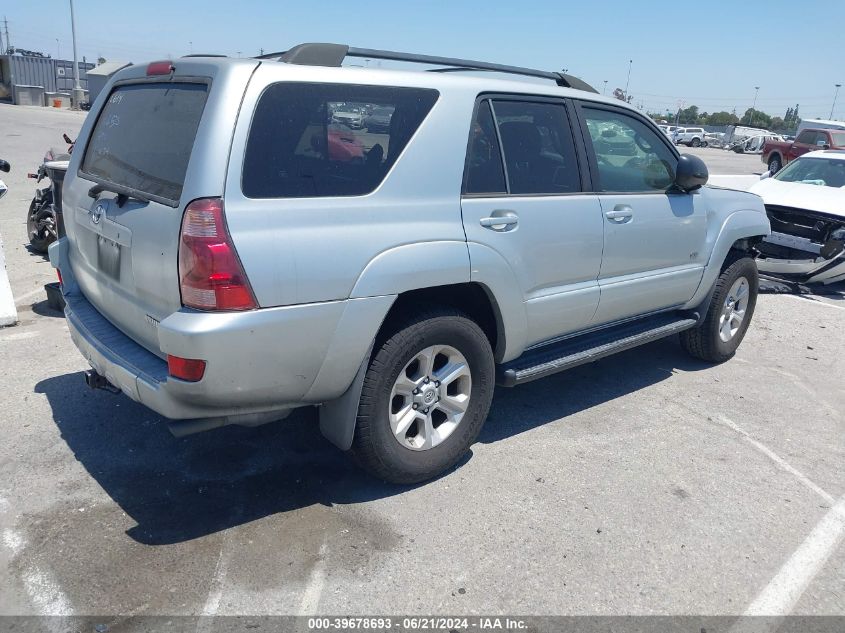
<point>59,275</point>
<point>211,276</point>
<point>188,369</point>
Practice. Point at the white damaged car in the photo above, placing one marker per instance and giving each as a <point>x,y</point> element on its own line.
<point>805,202</point>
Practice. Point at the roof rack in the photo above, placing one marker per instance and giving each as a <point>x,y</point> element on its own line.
<point>334,54</point>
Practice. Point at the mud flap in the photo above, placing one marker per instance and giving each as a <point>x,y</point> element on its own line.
<point>338,417</point>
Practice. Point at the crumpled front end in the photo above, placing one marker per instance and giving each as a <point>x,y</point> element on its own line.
<point>804,246</point>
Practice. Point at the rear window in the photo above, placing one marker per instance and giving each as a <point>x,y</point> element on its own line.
<point>143,138</point>
<point>315,140</point>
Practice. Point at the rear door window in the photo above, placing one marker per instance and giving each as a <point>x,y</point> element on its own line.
<point>143,138</point>
<point>316,140</point>
<point>484,173</point>
<point>538,148</point>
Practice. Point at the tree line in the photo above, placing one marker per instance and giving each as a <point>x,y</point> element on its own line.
<point>692,116</point>
<point>786,124</point>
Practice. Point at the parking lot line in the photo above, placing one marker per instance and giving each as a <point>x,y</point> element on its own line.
<point>776,458</point>
<point>781,595</point>
<point>813,301</point>
<point>215,587</point>
<point>21,300</point>
<point>14,335</point>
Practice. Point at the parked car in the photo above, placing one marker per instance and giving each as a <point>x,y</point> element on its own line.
<point>4,166</point>
<point>712,139</point>
<point>691,136</point>
<point>752,144</point>
<point>494,237</point>
<point>805,202</point>
<point>777,153</point>
<point>379,120</point>
<point>354,118</point>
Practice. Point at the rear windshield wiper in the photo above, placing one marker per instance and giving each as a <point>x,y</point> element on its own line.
<point>122,197</point>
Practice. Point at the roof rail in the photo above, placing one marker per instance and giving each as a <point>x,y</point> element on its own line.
<point>334,54</point>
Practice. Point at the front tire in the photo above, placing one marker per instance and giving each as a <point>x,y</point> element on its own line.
<point>425,397</point>
<point>774,165</point>
<point>717,338</point>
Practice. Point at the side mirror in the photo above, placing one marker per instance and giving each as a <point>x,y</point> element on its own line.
<point>765,174</point>
<point>4,166</point>
<point>691,173</point>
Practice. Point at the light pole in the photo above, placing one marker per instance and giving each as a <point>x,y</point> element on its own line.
<point>835,94</point>
<point>604,90</point>
<point>77,88</point>
<point>628,81</point>
<point>754,105</point>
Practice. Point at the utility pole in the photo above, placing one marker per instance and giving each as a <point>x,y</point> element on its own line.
<point>604,90</point>
<point>77,87</point>
<point>630,63</point>
<point>835,94</point>
<point>754,106</point>
<point>8,39</point>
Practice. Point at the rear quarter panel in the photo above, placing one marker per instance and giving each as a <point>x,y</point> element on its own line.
<point>305,250</point>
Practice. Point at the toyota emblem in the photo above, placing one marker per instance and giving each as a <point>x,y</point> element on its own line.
<point>97,213</point>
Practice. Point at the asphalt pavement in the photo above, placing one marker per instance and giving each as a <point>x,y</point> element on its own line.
<point>647,483</point>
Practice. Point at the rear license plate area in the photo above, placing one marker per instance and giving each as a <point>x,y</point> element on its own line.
<point>108,257</point>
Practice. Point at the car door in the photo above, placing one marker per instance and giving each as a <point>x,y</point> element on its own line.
<point>654,236</point>
<point>524,199</point>
<point>803,144</point>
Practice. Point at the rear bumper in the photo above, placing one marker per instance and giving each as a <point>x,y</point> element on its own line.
<point>261,361</point>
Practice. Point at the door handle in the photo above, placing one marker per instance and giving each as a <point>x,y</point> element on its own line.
<point>621,214</point>
<point>503,222</point>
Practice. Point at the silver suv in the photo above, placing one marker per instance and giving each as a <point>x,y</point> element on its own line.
<point>233,252</point>
<point>691,136</point>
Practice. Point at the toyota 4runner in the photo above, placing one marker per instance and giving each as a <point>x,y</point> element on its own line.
<point>233,251</point>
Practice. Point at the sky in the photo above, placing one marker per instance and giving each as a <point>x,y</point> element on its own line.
<point>711,54</point>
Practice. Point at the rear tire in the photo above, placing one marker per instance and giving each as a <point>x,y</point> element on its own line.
<point>40,226</point>
<point>774,165</point>
<point>696,142</point>
<point>718,336</point>
<point>425,397</point>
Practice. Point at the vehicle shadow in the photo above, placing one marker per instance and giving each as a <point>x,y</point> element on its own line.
<point>181,489</point>
<point>35,253</point>
<point>525,407</point>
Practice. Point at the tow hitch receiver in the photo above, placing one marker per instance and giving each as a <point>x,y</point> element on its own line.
<point>96,381</point>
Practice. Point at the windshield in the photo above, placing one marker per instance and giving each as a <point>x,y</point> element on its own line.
<point>144,136</point>
<point>825,172</point>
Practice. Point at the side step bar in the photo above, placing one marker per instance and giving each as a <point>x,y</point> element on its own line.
<point>586,348</point>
